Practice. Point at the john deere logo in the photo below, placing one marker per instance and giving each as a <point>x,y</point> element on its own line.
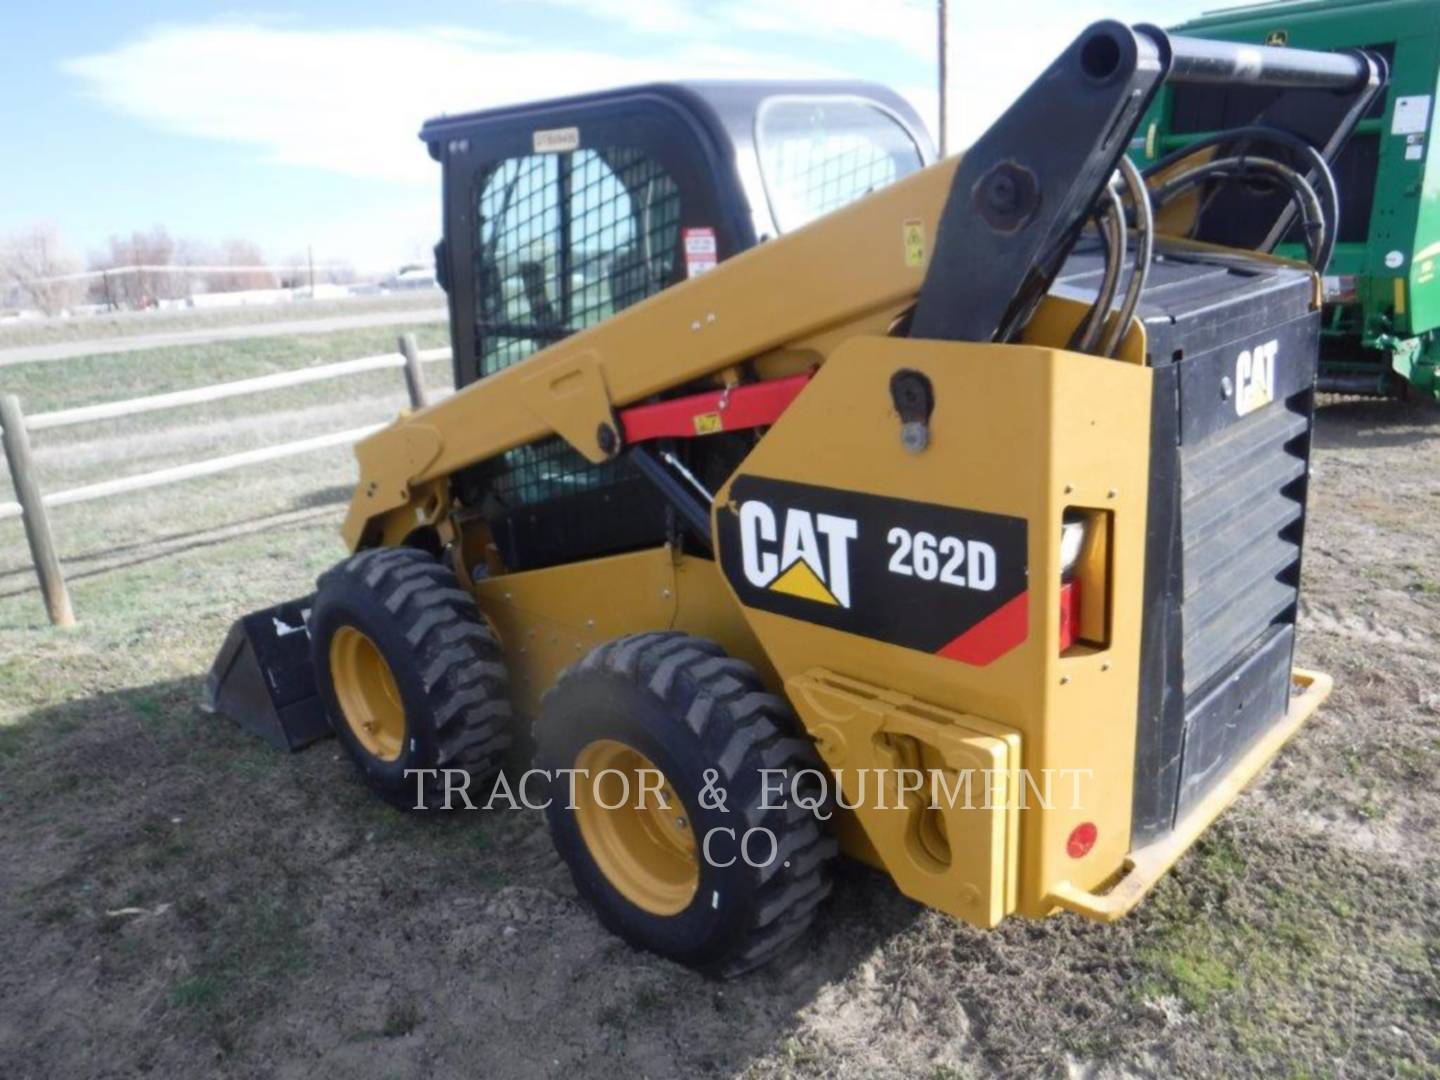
<point>808,555</point>
<point>1278,38</point>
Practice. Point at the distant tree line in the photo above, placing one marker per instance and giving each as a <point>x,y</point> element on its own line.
<point>142,269</point>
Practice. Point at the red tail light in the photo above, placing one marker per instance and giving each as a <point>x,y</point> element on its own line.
<point>1082,839</point>
<point>1069,613</point>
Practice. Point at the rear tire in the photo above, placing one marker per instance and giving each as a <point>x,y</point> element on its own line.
<point>411,675</point>
<point>679,704</point>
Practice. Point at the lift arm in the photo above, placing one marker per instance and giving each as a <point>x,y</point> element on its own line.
<point>996,225</point>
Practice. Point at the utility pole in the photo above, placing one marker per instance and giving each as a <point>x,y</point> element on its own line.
<point>310,257</point>
<point>943,49</point>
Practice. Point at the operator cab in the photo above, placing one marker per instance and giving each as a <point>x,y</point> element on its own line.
<point>560,213</point>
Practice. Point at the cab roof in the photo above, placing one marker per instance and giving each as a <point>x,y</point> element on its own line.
<point>724,109</point>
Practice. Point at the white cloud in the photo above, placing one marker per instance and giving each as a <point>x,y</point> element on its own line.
<point>353,100</point>
<point>651,16</point>
<point>909,24</point>
<point>997,50</point>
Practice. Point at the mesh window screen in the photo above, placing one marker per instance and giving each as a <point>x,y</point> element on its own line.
<point>818,156</point>
<point>519,220</point>
<point>565,241</point>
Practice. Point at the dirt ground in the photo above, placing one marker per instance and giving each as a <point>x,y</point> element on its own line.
<point>178,900</point>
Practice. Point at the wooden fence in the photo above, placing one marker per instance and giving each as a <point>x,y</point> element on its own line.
<point>32,504</point>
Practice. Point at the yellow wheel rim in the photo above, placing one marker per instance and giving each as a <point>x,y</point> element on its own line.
<point>644,845</point>
<point>369,698</point>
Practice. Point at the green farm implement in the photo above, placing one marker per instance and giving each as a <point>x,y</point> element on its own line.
<point>1381,333</point>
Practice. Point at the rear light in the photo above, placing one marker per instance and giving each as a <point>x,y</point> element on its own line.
<point>1084,579</point>
<point>1072,543</point>
<point>1069,613</point>
<point>1082,839</point>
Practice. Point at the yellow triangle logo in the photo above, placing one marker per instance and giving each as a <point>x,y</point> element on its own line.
<point>801,581</point>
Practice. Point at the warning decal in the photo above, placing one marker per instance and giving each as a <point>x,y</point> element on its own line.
<point>933,578</point>
<point>914,233</point>
<point>1411,116</point>
<point>556,140</point>
<point>701,253</point>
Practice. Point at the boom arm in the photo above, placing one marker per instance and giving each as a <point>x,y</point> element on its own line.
<point>994,228</point>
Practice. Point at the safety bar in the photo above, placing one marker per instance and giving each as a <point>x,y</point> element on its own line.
<point>1197,60</point>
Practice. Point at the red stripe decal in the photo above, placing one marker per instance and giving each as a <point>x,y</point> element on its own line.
<point>993,636</point>
<point>749,406</point>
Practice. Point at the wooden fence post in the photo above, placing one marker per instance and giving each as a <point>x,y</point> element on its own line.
<point>414,375</point>
<point>37,522</point>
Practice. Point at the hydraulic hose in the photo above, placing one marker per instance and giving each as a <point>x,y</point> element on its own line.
<point>1324,178</point>
<point>1246,167</point>
<point>1145,251</point>
<point>1111,221</point>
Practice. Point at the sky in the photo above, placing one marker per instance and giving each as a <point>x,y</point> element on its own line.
<point>294,125</point>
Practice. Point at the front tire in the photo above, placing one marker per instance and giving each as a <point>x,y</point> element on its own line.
<point>677,705</point>
<point>412,677</point>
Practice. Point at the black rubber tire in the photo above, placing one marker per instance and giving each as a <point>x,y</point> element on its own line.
<point>446,663</point>
<point>689,708</point>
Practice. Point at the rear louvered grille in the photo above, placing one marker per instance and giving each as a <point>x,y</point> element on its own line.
<point>1239,521</point>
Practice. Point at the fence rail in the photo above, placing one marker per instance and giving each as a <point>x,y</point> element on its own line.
<point>33,504</point>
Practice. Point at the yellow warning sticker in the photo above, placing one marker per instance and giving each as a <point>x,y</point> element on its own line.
<point>914,232</point>
<point>708,423</point>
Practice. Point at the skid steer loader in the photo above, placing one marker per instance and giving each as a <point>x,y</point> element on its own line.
<point>805,497</point>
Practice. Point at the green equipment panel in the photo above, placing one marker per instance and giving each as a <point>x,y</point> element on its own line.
<point>1382,320</point>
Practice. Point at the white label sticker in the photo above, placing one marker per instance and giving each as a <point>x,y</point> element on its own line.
<point>1339,286</point>
<point>557,140</point>
<point>701,253</point>
<point>1412,114</point>
<point>1395,259</point>
<point>1414,152</point>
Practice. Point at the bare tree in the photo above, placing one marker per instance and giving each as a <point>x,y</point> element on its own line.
<point>194,255</point>
<point>295,272</point>
<point>38,264</point>
<point>144,268</point>
<point>138,269</point>
<point>103,286</point>
<point>247,257</point>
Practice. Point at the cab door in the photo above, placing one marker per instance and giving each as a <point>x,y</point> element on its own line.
<point>557,218</point>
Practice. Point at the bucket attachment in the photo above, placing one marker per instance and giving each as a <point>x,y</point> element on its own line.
<point>263,678</point>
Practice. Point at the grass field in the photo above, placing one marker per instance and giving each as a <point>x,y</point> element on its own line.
<point>176,899</point>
